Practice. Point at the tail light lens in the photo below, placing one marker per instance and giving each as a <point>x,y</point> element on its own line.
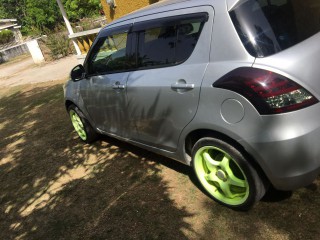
<point>269,92</point>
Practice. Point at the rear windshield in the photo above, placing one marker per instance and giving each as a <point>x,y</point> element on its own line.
<point>266,27</point>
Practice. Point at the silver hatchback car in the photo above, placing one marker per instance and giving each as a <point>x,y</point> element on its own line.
<point>229,87</point>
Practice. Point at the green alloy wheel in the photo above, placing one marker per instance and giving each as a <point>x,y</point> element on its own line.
<point>81,125</point>
<point>78,125</point>
<point>226,175</point>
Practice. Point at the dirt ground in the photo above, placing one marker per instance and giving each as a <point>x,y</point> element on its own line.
<point>53,186</point>
<point>24,71</point>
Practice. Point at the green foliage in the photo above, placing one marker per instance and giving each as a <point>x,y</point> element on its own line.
<point>58,43</point>
<point>88,24</point>
<point>42,14</point>
<point>6,36</point>
<point>37,15</point>
<point>12,9</point>
<point>77,9</point>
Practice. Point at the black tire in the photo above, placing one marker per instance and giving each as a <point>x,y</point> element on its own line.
<point>86,133</point>
<point>226,174</point>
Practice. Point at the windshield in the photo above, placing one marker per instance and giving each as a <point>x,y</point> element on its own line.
<point>266,27</point>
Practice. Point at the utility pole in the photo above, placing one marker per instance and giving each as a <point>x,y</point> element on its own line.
<point>66,20</point>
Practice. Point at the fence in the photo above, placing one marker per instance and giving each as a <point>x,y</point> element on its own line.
<point>13,51</point>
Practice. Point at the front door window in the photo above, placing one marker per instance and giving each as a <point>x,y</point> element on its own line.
<point>109,55</point>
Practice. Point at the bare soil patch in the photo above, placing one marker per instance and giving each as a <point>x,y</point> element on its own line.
<point>52,186</point>
<point>24,71</point>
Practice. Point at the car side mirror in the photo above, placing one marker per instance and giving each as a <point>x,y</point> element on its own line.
<point>77,73</point>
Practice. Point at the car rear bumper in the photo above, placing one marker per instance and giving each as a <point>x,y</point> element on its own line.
<point>288,148</point>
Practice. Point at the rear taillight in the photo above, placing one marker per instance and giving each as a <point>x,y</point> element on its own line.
<point>269,92</point>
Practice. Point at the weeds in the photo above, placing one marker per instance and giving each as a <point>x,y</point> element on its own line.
<point>6,36</point>
<point>58,43</point>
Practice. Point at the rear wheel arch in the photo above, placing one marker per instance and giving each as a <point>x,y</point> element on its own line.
<point>196,135</point>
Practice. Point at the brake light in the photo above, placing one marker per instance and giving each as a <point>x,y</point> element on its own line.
<point>269,92</point>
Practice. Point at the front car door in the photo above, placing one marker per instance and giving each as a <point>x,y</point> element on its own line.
<point>104,91</point>
<point>172,54</point>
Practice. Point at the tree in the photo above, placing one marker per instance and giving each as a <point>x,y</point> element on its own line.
<point>38,15</point>
<point>42,14</point>
<point>77,9</point>
<point>31,14</point>
<point>12,9</point>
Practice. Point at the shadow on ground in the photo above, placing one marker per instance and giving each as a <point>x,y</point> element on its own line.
<point>55,187</point>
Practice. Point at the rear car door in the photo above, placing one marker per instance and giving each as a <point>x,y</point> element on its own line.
<point>172,53</point>
<point>104,91</point>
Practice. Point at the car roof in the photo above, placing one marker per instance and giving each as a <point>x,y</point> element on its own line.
<point>163,6</point>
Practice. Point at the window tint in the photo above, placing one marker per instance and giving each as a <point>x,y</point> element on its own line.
<point>269,26</point>
<point>109,54</point>
<point>187,38</point>
<point>169,41</point>
<point>156,46</point>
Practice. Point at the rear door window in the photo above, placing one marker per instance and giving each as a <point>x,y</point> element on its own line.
<point>266,27</point>
<point>168,41</point>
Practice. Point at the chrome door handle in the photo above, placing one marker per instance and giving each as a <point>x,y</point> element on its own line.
<point>184,86</point>
<point>121,86</point>
<point>117,86</point>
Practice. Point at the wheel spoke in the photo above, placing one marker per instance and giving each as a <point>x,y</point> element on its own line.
<point>74,118</point>
<point>79,121</point>
<point>212,177</point>
<point>210,163</point>
<point>224,164</point>
<point>233,180</point>
<point>81,131</point>
<point>225,187</point>
<point>78,125</point>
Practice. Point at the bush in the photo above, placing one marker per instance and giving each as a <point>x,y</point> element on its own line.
<point>77,9</point>
<point>58,43</point>
<point>6,36</point>
<point>89,23</point>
